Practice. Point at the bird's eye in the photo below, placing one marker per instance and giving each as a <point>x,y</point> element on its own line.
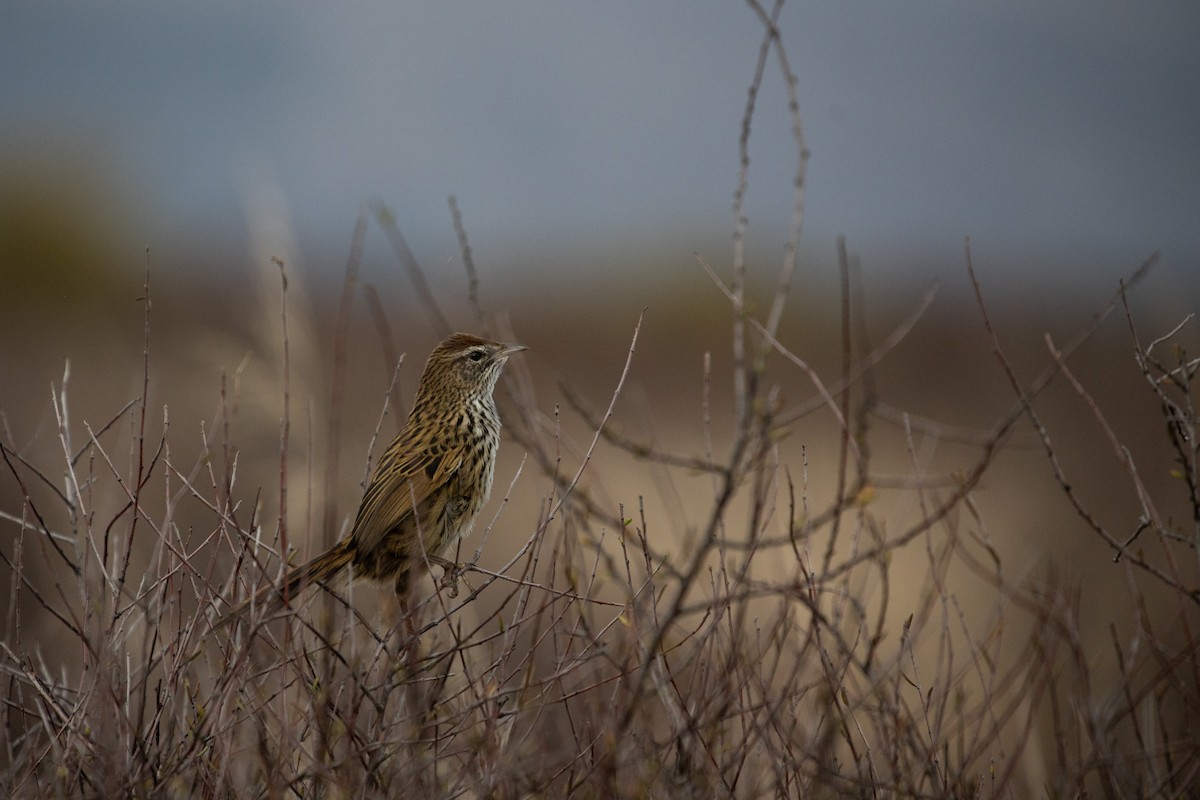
<point>476,355</point>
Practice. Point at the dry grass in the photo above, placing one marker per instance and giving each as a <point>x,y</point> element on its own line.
<point>772,643</point>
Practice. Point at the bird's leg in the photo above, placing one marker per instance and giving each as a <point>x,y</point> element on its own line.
<point>444,563</point>
<point>451,572</point>
<point>407,613</point>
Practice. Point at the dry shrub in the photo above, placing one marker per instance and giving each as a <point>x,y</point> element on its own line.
<point>772,641</point>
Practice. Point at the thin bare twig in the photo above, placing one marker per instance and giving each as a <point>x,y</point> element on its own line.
<point>387,221</point>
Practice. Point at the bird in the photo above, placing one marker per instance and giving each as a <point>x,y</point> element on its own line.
<point>428,486</point>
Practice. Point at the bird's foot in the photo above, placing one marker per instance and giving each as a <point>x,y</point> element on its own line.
<point>451,572</point>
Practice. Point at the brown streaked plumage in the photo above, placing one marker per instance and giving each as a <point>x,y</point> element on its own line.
<point>430,483</point>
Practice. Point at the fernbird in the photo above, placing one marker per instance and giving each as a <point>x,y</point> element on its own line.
<point>430,483</point>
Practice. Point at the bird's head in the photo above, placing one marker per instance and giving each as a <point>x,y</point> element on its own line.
<point>465,366</point>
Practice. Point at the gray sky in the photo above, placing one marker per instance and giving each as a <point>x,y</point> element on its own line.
<point>1034,127</point>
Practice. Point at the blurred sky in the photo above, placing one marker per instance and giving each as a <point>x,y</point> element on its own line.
<point>1068,127</point>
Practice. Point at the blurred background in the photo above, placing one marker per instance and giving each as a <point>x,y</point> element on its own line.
<point>593,150</point>
<point>601,139</point>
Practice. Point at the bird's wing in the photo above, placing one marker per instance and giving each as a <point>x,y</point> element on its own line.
<point>400,480</point>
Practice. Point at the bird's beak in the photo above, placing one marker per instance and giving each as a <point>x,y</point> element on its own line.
<point>508,350</point>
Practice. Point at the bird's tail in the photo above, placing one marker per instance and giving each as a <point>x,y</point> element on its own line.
<point>273,597</point>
